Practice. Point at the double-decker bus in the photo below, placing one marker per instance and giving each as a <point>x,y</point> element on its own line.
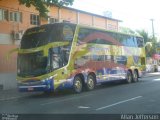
<point>64,55</point>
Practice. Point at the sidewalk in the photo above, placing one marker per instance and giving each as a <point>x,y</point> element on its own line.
<point>14,94</point>
<point>152,74</point>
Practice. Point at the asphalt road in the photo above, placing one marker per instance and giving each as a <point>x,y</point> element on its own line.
<point>113,98</point>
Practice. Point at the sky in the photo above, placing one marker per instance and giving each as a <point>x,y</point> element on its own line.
<point>135,14</point>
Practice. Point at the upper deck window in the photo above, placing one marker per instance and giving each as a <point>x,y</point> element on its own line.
<point>140,42</point>
<point>38,36</point>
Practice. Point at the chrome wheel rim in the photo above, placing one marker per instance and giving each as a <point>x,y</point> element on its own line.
<point>135,77</point>
<point>90,83</point>
<point>78,85</point>
<point>129,78</point>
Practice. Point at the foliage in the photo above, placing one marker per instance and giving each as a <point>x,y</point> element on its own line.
<point>127,30</point>
<point>41,5</point>
<point>150,43</point>
<point>145,36</point>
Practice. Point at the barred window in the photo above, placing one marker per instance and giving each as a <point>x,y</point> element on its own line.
<point>34,19</point>
<point>16,16</point>
<point>3,14</point>
<point>52,20</point>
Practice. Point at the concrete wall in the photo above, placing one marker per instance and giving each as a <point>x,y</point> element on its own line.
<point>100,22</point>
<point>68,15</point>
<point>8,81</point>
<point>7,67</point>
<point>85,19</point>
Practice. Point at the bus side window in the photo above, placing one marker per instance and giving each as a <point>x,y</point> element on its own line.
<point>108,58</point>
<point>55,58</point>
<point>65,54</point>
<point>122,60</point>
<point>81,62</point>
<point>139,42</point>
<point>122,39</point>
<point>83,34</point>
<point>130,41</point>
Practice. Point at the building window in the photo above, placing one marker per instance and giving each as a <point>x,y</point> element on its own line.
<point>3,14</point>
<point>112,27</point>
<point>52,20</point>
<point>66,21</point>
<point>34,19</point>
<point>16,16</point>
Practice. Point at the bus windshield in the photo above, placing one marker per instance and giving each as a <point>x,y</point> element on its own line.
<point>32,64</point>
<point>39,36</point>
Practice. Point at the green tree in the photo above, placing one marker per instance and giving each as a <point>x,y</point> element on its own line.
<point>150,42</point>
<point>145,36</point>
<point>41,5</point>
<point>127,30</point>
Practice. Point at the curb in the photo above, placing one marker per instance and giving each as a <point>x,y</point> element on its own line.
<point>151,75</point>
<point>12,94</point>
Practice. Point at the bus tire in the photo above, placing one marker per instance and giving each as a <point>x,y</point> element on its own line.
<point>77,84</point>
<point>129,77</point>
<point>91,82</point>
<point>135,76</point>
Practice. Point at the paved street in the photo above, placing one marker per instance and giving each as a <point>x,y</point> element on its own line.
<point>118,98</point>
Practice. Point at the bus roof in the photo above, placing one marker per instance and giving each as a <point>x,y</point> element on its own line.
<point>89,27</point>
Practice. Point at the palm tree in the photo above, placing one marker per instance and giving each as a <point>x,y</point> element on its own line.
<point>149,43</point>
<point>145,36</point>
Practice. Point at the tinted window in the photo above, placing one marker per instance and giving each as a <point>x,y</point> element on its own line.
<point>140,42</point>
<point>83,34</point>
<point>121,60</point>
<point>93,36</point>
<point>81,62</point>
<point>110,38</point>
<point>108,57</point>
<point>32,64</point>
<point>98,57</point>
<point>127,40</point>
<point>100,41</point>
<point>43,35</point>
<point>36,37</point>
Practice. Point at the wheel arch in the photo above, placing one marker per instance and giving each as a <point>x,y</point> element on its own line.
<point>130,70</point>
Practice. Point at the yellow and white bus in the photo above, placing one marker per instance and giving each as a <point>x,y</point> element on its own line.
<point>65,55</point>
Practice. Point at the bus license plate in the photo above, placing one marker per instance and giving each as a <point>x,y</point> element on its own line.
<point>30,88</point>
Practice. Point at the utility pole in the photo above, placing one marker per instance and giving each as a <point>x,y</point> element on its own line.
<point>153,28</point>
<point>153,39</point>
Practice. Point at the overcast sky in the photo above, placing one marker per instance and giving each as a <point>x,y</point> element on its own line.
<point>135,14</point>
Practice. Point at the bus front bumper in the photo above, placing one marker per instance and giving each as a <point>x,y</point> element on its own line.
<point>44,85</point>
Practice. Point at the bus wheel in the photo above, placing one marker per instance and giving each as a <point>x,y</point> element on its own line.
<point>129,77</point>
<point>77,84</point>
<point>135,76</point>
<point>90,85</point>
